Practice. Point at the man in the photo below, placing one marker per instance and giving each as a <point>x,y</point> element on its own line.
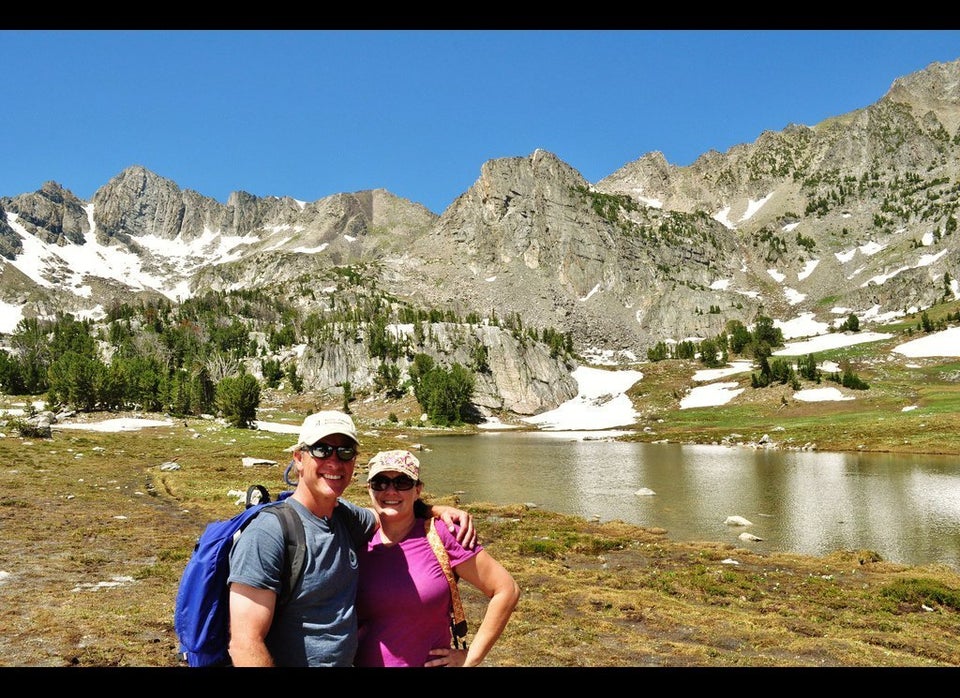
<point>318,626</point>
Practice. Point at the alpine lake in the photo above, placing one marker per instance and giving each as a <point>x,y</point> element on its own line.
<point>904,507</point>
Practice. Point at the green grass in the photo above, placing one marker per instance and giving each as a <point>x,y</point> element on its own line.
<point>593,594</point>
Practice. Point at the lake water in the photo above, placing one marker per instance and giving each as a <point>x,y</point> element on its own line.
<point>904,507</point>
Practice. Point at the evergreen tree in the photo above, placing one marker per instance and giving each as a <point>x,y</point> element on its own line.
<point>807,368</point>
<point>710,353</point>
<point>73,380</point>
<point>444,395</point>
<point>238,398</point>
<point>764,332</point>
<point>739,337</point>
<point>296,382</point>
<point>11,376</point>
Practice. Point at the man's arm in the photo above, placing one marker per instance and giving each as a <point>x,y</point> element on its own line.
<point>251,613</point>
<point>449,515</point>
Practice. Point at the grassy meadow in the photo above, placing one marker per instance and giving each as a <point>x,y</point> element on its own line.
<point>96,534</point>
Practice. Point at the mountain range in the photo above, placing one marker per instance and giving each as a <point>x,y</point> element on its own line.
<point>856,214</point>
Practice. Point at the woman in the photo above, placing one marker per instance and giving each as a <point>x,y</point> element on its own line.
<point>403,597</point>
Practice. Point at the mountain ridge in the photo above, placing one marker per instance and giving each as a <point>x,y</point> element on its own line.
<point>855,214</point>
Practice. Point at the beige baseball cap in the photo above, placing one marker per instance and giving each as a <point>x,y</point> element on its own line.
<point>323,424</point>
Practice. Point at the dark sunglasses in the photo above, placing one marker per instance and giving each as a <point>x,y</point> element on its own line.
<point>322,450</point>
<point>401,483</point>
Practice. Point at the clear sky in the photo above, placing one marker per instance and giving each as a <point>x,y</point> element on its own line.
<point>312,113</point>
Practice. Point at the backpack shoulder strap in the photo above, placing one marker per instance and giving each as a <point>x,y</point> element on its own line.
<point>459,622</point>
<point>293,560</point>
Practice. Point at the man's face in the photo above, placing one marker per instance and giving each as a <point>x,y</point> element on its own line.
<point>322,468</point>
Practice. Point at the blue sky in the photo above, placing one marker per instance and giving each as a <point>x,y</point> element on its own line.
<point>313,113</point>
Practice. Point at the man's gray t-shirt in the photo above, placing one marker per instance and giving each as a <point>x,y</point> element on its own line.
<point>318,627</point>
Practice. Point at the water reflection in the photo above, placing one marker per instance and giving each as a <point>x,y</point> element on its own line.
<point>904,507</point>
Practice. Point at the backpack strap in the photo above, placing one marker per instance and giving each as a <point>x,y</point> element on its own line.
<point>296,542</point>
<point>257,494</point>
<point>458,621</point>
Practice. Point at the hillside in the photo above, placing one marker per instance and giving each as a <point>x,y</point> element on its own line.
<point>118,529</point>
<point>857,214</point>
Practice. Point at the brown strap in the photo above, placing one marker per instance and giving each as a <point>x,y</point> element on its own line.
<point>459,623</point>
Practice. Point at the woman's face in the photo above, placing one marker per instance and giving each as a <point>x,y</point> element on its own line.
<point>393,493</point>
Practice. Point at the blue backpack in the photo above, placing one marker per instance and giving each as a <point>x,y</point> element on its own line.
<point>201,615</point>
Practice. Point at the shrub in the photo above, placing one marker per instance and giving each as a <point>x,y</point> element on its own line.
<point>543,548</point>
<point>237,399</point>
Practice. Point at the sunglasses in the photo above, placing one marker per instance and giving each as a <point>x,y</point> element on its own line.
<point>322,450</point>
<point>401,483</point>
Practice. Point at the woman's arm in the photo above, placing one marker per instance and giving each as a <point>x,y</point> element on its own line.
<point>490,577</point>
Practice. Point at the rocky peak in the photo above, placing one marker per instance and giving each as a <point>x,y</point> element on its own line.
<point>856,213</point>
<point>52,214</point>
<point>935,89</point>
